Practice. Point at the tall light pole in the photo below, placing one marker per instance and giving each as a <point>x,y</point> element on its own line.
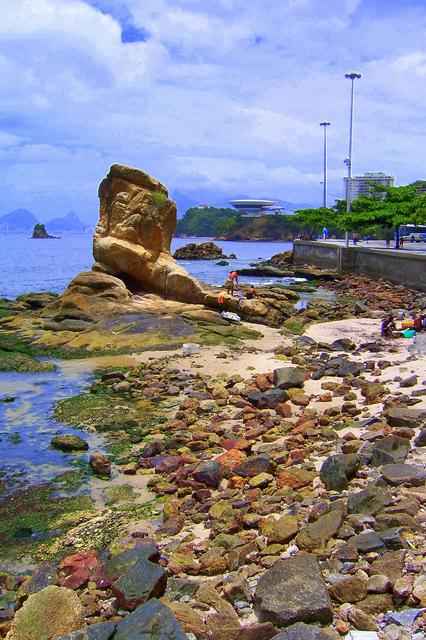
<point>352,76</point>
<point>325,125</point>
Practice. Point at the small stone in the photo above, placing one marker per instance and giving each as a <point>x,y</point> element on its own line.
<point>315,535</point>
<point>209,473</point>
<point>361,620</point>
<point>369,500</point>
<point>253,466</point>
<point>100,464</point>
<point>378,584</point>
<point>284,529</point>
<point>302,631</point>
<point>289,377</point>
<point>408,474</point>
<point>376,603</point>
<point>295,477</point>
<point>349,589</point>
<point>261,480</point>
<point>337,469</point>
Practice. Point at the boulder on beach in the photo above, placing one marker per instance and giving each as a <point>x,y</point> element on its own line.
<point>48,614</point>
<point>293,591</point>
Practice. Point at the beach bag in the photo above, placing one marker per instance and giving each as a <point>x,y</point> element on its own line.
<point>409,333</point>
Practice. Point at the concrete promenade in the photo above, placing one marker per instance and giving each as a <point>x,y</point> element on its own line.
<point>402,266</point>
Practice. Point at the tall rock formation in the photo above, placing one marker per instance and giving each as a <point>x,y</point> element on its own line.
<point>133,236</point>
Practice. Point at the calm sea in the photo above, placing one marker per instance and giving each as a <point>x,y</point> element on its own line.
<point>49,265</point>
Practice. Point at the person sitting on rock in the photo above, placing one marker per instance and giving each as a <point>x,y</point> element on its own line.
<point>251,293</point>
<point>231,281</point>
<point>388,326</point>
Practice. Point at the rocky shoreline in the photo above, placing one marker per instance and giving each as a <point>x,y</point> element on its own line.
<point>269,486</point>
<point>290,498</point>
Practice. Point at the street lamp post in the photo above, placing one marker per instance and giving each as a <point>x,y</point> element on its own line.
<point>352,76</point>
<point>325,125</point>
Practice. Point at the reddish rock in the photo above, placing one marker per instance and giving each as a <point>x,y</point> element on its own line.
<point>262,382</point>
<point>84,560</point>
<point>240,444</point>
<point>75,580</point>
<point>100,464</point>
<point>165,464</point>
<point>284,410</point>
<point>295,477</point>
<point>231,458</point>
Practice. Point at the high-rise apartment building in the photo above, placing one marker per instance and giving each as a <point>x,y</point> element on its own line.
<point>359,185</point>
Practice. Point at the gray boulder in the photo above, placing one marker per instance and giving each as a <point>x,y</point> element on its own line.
<point>293,590</point>
<point>209,473</point>
<point>369,500</point>
<point>289,377</point>
<point>152,620</point>
<point>409,474</point>
<point>338,469</point>
<point>267,399</point>
<point>406,417</point>
<point>142,581</point>
<point>390,449</point>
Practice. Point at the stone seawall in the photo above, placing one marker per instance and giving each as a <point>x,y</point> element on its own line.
<point>397,266</point>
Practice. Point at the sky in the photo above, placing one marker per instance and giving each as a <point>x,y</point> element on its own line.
<point>215,98</point>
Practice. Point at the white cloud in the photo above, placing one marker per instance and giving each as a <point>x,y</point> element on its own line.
<point>225,95</point>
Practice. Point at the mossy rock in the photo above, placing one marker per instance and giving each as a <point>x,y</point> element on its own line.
<point>69,442</point>
<point>48,614</point>
<point>294,325</point>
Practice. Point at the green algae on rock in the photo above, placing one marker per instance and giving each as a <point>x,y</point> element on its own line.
<point>48,614</point>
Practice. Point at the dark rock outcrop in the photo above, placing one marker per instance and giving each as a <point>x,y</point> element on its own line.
<point>199,251</point>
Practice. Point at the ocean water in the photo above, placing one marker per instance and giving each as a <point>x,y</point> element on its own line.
<point>49,265</point>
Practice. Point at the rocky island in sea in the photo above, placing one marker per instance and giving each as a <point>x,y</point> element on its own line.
<point>270,485</point>
<point>40,233</point>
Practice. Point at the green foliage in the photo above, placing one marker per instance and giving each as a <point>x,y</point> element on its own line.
<point>387,207</point>
<point>158,198</point>
<point>211,221</point>
<point>312,221</point>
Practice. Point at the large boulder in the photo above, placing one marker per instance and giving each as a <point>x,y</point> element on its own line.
<point>134,232</point>
<point>293,590</point>
<point>151,620</point>
<point>141,581</point>
<point>47,615</point>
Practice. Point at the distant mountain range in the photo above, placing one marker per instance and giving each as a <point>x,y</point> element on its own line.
<point>23,221</point>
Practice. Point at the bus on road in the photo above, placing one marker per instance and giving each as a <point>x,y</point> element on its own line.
<point>413,233</point>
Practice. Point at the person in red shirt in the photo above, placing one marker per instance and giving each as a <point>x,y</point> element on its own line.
<point>231,282</point>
